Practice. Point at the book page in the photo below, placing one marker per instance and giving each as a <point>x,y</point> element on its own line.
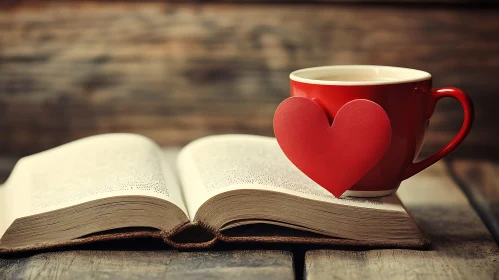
<point>88,169</point>
<point>216,164</point>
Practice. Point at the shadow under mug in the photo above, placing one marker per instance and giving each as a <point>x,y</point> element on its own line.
<point>409,101</point>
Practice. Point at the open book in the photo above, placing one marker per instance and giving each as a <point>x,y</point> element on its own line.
<point>239,188</point>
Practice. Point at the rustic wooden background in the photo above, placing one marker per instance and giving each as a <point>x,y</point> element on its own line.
<point>178,71</point>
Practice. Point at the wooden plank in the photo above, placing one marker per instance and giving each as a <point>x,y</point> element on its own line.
<point>462,246</point>
<point>178,71</point>
<point>465,3</point>
<point>151,265</point>
<point>480,181</point>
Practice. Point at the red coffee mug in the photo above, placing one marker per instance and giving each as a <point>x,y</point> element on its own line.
<point>409,101</point>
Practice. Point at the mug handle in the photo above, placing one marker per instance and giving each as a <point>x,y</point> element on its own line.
<point>469,115</point>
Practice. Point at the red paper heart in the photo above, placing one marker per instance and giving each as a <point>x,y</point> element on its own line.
<point>334,156</point>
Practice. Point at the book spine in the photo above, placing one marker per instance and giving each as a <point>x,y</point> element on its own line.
<point>195,235</point>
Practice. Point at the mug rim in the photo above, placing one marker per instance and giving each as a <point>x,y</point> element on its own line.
<point>404,75</point>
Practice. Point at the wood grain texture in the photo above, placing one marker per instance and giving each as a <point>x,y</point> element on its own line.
<point>462,246</point>
<point>176,72</point>
<point>461,3</point>
<point>151,265</point>
<point>480,180</point>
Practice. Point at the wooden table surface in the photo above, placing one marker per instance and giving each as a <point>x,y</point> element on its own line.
<point>454,201</point>
<point>177,71</point>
